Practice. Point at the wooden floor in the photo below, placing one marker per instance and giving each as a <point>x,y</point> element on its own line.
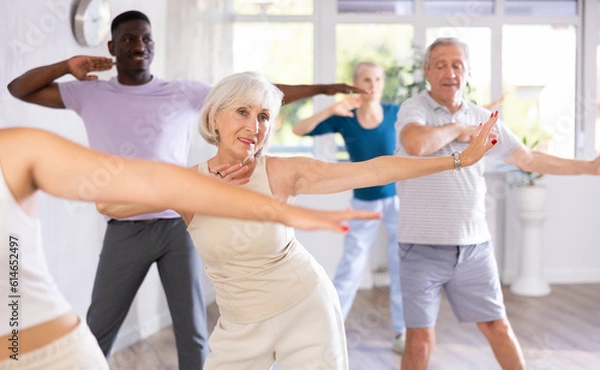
<point>560,331</point>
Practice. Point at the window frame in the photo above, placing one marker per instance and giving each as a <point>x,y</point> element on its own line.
<point>586,22</point>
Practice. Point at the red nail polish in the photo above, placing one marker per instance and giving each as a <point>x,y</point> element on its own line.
<point>492,115</point>
<point>345,228</point>
<point>494,142</point>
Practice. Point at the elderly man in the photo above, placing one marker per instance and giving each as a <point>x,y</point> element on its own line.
<point>443,236</point>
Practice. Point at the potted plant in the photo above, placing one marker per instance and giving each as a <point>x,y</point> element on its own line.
<point>529,178</point>
<point>531,193</point>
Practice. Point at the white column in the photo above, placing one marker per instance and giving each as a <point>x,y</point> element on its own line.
<point>530,280</point>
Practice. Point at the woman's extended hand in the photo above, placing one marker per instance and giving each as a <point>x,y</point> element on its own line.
<point>309,219</point>
<point>483,140</point>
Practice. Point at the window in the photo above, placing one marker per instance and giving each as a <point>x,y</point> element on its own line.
<point>528,49</point>
<point>277,56</point>
<point>401,7</point>
<point>458,8</point>
<point>273,7</point>
<point>540,87</point>
<point>389,45</point>
<point>541,7</point>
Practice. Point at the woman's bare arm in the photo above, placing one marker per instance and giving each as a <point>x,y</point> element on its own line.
<point>34,159</point>
<point>309,176</point>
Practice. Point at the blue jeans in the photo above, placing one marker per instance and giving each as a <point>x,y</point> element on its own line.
<point>357,244</point>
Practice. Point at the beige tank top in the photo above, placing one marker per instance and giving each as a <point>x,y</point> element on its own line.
<point>258,269</point>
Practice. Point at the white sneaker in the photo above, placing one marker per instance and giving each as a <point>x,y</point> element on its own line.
<point>398,344</point>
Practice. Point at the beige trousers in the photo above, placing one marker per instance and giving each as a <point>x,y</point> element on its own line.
<point>309,336</point>
<point>77,350</point>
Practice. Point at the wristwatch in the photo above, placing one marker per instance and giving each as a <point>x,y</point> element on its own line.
<point>457,165</point>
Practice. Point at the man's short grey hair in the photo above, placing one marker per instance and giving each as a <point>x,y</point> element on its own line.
<point>240,89</point>
<point>443,41</point>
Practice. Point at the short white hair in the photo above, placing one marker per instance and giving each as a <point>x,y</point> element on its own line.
<point>239,89</point>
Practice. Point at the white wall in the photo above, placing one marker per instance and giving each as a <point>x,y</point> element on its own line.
<point>35,33</point>
<point>570,234</point>
<point>327,246</point>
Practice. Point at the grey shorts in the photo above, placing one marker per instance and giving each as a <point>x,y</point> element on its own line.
<point>468,274</point>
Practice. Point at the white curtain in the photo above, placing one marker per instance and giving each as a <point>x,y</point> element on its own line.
<point>199,40</point>
<point>199,47</point>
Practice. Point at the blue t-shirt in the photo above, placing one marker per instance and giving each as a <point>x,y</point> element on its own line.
<point>364,144</point>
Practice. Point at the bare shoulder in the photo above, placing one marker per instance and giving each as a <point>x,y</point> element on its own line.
<point>276,167</point>
<point>285,166</point>
<point>283,175</point>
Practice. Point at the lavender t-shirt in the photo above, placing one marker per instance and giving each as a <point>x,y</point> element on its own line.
<point>149,121</point>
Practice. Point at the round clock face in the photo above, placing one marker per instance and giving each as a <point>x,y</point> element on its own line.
<point>92,22</point>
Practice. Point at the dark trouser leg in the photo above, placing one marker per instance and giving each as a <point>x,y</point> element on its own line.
<point>124,263</point>
<point>181,271</point>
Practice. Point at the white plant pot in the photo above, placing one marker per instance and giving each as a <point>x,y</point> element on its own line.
<point>530,281</point>
<point>532,198</point>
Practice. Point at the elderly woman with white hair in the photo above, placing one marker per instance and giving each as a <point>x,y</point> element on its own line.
<point>277,304</point>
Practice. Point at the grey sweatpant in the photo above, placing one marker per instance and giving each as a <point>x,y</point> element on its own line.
<point>130,248</point>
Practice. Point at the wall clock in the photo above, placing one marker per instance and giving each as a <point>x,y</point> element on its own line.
<point>91,22</point>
